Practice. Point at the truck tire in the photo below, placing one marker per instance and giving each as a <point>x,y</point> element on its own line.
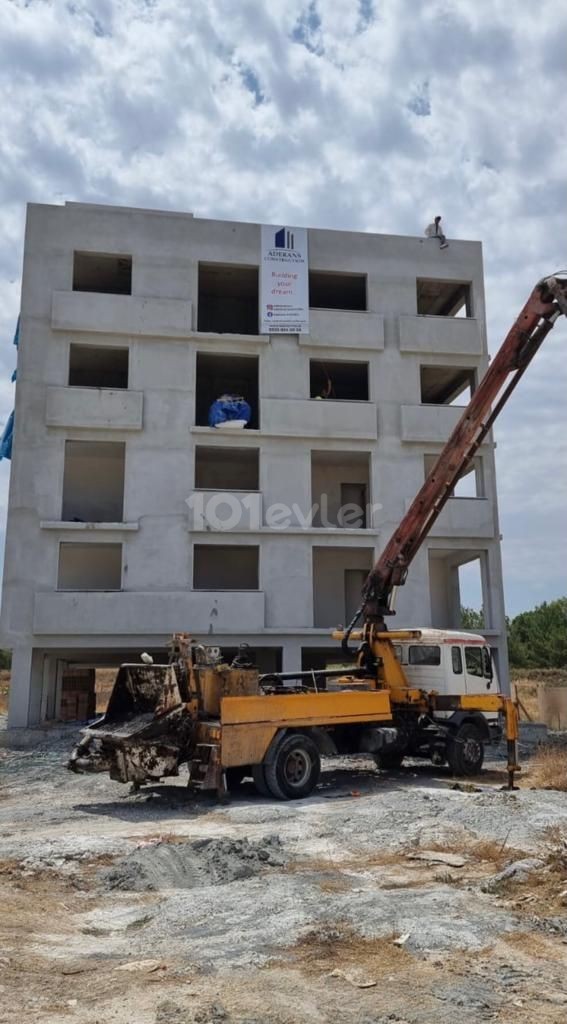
<point>465,750</point>
<point>295,770</point>
<point>259,777</point>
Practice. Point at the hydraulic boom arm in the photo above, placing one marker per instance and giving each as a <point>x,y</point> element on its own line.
<point>546,303</point>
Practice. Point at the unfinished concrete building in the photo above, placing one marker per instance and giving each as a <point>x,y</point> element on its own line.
<point>130,517</point>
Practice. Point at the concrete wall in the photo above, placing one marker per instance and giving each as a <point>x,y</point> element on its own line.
<point>155,419</point>
<point>453,335</point>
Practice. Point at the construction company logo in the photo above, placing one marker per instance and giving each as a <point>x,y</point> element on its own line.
<point>283,247</point>
<point>283,239</point>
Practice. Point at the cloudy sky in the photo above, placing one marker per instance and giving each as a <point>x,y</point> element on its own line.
<point>368,115</point>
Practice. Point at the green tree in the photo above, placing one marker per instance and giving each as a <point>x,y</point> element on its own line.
<point>472,618</point>
<point>538,638</point>
<point>5,659</point>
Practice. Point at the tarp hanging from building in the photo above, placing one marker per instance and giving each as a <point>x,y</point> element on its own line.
<point>7,437</point>
<point>8,432</point>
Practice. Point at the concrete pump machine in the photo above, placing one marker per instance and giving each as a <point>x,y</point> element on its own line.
<point>227,722</point>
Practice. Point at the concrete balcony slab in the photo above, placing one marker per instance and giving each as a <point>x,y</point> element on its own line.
<point>344,329</point>
<point>126,613</point>
<point>429,422</point>
<point>225,511</point>
<point>121,314</point>
<point>63,524</point>
<point>464,517</point>
<point>94,408</point>
<point>311,417</point>
<point>438,335</point>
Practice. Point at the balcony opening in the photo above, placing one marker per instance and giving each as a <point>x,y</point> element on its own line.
<point>90,566</point>
<point>219,375</point>
<point>338,579</point>
<point>93,482</point>
<point>338,380</point>
<point>227,469</point>
<point>470,484</point>
<point>95,366</point>
<point>444,298</point>
<point>228,299</point>
<point>458,589</point>
<point>340,489</point>
<point>99,272</point>
<point>334,290</point>
<point>443,385</point>
<point>225,567</point>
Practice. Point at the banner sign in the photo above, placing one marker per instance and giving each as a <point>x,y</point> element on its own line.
<point>284,281</point>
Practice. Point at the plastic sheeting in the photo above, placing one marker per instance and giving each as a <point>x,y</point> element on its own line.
<point>229,408</point>
<point>7,438</point>
<point>8,432</point>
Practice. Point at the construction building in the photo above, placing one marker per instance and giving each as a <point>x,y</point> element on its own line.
<point>130,517</point>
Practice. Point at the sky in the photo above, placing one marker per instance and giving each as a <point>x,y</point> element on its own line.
<point>372,115</point>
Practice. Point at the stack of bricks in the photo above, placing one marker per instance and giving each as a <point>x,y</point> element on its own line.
<point>78,699</point>
<point>104,685</point>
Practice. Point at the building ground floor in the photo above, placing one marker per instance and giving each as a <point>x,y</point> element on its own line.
<point>73,683</point>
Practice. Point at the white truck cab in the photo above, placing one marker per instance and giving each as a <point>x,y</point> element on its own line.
<point>449,661</point>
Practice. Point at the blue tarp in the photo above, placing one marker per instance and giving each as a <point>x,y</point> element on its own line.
<point>8,432</point>
<point>229,407</point>
<point>7,437</point>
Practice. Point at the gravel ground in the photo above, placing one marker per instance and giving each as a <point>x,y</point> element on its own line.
<point>379,899</point>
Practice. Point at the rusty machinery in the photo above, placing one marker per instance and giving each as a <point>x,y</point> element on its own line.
<point>227,721</point>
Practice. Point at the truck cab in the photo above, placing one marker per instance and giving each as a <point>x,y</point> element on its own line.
<point>448,661</point>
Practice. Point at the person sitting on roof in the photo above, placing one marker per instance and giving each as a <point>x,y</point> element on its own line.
<point>435,231</point>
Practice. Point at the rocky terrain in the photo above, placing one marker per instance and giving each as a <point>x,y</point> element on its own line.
<point>401,898</point>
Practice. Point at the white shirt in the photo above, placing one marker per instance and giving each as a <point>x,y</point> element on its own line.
<point>431,231</point>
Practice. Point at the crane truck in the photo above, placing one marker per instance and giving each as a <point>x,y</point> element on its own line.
<point>409,692</point>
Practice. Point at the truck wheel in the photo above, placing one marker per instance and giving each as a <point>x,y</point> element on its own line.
<point>259,777</point>
<point>465,751</point>
<point>389,760</point>
<point>295,770</point>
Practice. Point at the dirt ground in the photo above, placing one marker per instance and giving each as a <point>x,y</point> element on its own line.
<point>379,899</point>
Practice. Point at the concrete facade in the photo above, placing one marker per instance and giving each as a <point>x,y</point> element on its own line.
<point>65,605</point>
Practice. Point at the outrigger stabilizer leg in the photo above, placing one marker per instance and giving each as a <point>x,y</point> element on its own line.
<point>511,720</point>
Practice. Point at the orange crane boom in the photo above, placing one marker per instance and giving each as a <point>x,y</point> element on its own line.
<point>546,303</point>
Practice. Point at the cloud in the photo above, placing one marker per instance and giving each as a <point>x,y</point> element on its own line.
<point>370,116</point>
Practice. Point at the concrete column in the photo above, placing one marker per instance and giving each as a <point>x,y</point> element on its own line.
<point>25,688</point>
<point>291,655</point>
<point>39,677</point>
<point>454,598</point>
<point>49,705</point>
